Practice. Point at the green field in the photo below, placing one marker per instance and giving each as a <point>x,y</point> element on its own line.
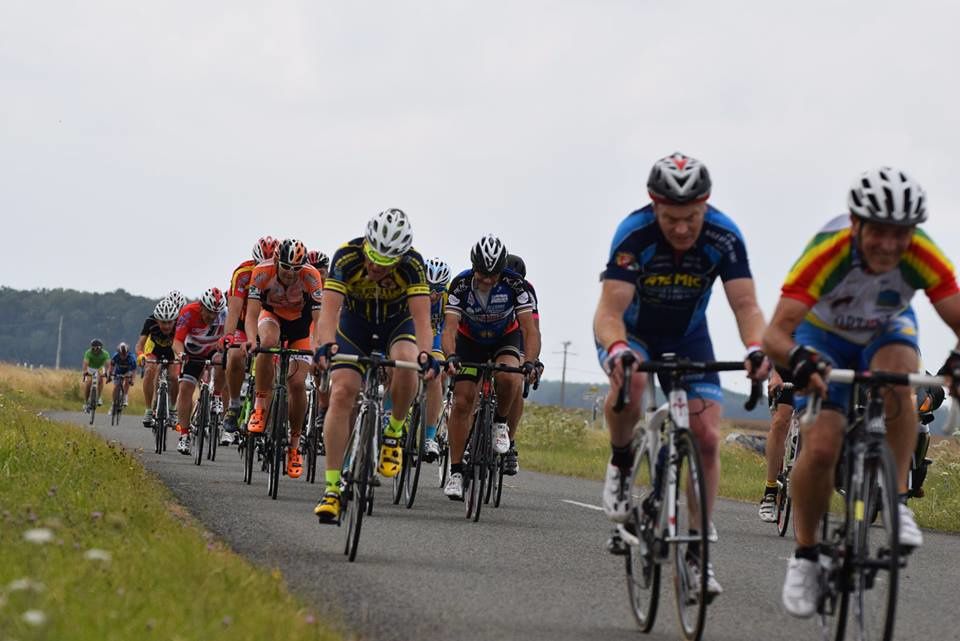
<point>93,547</point>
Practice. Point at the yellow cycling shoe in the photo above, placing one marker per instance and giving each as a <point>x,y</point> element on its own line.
<point>391,457</point>
<point>328,509</point>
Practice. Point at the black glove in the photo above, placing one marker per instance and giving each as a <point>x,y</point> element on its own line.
<point>756,358</point>
<point>952,368</point>
<point>326,351</point>
<point>539,367</point>
<point>528,369</point>
<point>453,363</point>
<point>804,363</point>
<point>428,363</point>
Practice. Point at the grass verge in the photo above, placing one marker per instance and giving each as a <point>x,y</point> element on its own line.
<point>560,441</point>
<point>59,389</point>
<point>94,547</point>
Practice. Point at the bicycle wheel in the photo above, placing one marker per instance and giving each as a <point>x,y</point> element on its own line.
<point>213,437</point>
<point>784,504</point>
<point>872,573</point>
<point>471,468</point>
<point>691,512</point>
<point>92,401</point>
<point>498,482</point>
<point>643,572</point>
<point>415,446</point>
<point>278,437</point>
<point>116,405</point>
<point>160,422</point>
<point>443,461</point>
<point>361,473</point>
<point>200,424</point>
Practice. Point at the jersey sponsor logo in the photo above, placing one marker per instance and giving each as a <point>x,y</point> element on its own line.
<point>500,298</point>
<point>856,323</point>
<point>523,298</point>
<point>626,260</point>
<point>841,302</point>
<point>692,281</point>
<point>453,300</point>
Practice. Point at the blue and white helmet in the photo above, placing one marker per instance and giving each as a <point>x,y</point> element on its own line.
<point>438,272</point>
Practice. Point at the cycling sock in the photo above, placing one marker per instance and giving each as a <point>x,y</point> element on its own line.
<point>771,487</point>
<point>622,456</point>
<point>431,432</point>
<point>499,418</point>
<point>387,404</point>
<point>902,498</point>
<point>333,480</point>
<point>394,427</point>
<point>258,402</point>
<point>811,553</point>
<point>456,468</point>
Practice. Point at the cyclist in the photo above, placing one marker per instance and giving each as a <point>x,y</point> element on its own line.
<point>438,277</point>
<point>377,299</point>
<point>283,304</point>
<point>122,367</point>
<point>156,342</point>
<point>662,265</point>
<point>510,464</point>
<point>781,410</point>
<point>178,299</point>
<point>848,298</point>
<point>236,318</point>
<point>94,360</point>
<point>200,326</point>
<point>319,261</point>
<point>488,317</point>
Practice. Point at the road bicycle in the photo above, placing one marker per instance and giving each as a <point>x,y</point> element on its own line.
<point>671,509</point>
<point>357,480</point>
<point>162,412</point>
<point>119,397</point>
<point>482,466</point>
<point>414,443</point>
<point>205,423</point>
<point>860,565</point>
<point>791,450</point>
<point>93,397</point>
<point>311,438</point>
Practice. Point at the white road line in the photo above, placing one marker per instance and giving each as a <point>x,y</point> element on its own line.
<point>586,505</point>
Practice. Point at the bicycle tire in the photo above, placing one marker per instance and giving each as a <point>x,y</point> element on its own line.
<point>213,437</point>
<point>499,492</point>
<point>249,454</point>
<point>117,404</point>
<point>870,579</point>
<point>491,474</point>
<point>784,507</point>
<point>691,605</point>
<point>92,401</point>
<point>363,468</point>
<point>278,433</point>
<point>471,468</point>
<point>201,424</point>
<point>417,443</point>
<point>485,452</point>
<point>160,422</point>
<point>642,570</point>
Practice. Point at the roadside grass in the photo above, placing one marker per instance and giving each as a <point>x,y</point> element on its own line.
<point>93,547</point>
<point>562,441</point>
<point>59,389</point>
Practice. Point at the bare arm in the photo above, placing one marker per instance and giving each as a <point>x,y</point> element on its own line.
<point>315,324</point>
<point>448,339</point>
<point>250,322</point>
<point>778,337</point>
<point>234,306</point>
<point>742,296</point>
<point>326,327</point>
<point>531,336</point>
<point>420,311</point>
<point>949,310</point>
<point>615,297</point>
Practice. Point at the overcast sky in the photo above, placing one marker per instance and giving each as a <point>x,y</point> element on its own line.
<point>147,145</point>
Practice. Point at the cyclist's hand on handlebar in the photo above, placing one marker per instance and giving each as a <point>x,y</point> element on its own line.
<point>324,353</point>
<point>530,372</point>
<point>951,369</point>
<point>756,363</point>
<point>809,369</point>
<point>453,364</point>
<point>613,364</point>
<point>429,366</point>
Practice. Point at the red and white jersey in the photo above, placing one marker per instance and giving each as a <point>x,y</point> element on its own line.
<point>198,338</point>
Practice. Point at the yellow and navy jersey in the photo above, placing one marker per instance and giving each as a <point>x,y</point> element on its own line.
<point>376,301</point>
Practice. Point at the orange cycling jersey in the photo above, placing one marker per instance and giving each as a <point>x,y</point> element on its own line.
<point>240,286</point>
<point>286,301</point>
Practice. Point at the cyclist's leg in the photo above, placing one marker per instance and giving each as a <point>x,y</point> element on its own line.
<point>297,333</point>
<point>404,384</point>
<point>151,372</point>
<point>268,331</point>
<point>896,350</point>
<point>187,385</point>
<point>346,379</point>
<point>509,386</point>
<point>87,382</point>
<point>434,394</point>
<point>236,361</point>
<point>173,374</point>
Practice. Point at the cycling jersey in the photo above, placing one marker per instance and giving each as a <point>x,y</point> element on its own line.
<point>123,364</point>
<point>286,301</point>
<point>157,342</point>
<point>376,302</point>
<point>847,299</point>
<point>198,338</point>
<point>533,298</point>
<point>673,288</point>
<point>240,288</point>
<point>485,318</point>
<point>96,360</point>
<point>437,308</point>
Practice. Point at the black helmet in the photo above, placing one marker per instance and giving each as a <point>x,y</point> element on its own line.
<point>489,255</point>
<point>515,263</point>
<point>96,343</point>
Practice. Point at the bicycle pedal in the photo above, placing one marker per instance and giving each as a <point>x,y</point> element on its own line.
<point>617,546</point>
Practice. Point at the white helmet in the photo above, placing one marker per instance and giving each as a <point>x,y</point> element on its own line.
<point>888,195</point>
<point>213,299</point>
<point>438,272</point>
<point>166,310</point>
<point>489,255</point>
<point>179,299</point>
<point>389,233</point>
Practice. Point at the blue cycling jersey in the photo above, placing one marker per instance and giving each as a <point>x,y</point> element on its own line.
<point>437,308</point>
<point>487,318</point>
<point>123,365</point>
<point>673,288</point>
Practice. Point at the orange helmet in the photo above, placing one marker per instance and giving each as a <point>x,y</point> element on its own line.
<point>291,253</point>
<point>264,248</point>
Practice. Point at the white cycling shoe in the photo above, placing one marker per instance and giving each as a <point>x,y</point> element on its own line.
<point>183,445</point>
<point>616,495</point>
<point>910,535</point>
<point>801,587</point>
<point>453,490</point>
<point>501,438</point>
<point>768,508</point>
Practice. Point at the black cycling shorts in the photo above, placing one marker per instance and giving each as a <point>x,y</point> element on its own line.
<point>356,335</point>
<point>783,396</point>
<point>470,351</point>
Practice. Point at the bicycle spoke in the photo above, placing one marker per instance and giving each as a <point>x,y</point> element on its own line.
<point>643,572</point>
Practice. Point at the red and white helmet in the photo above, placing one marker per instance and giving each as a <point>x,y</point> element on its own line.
<point>213,300</point>
<point>678,179</point>
<point>318,259</point>
<point>263,249</point>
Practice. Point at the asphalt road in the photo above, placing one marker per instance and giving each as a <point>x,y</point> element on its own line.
<point>533,569</point>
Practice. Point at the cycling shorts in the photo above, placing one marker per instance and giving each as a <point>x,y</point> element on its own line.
<point>843,354</point>
<point>696,347</point>
<point>155,352</point>
<point>471,351</point>
<point>295,332</point>
<point>356,335</point>
<point>193,368</point>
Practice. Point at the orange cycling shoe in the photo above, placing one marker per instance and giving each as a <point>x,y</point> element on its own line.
<point>294,464</point>
<point>181,430</point>
<point>257,420</point>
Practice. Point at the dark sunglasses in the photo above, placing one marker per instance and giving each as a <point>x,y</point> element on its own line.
<point>290,268</point>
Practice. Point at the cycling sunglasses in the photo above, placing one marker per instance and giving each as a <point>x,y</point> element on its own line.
<point>290,267</point>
